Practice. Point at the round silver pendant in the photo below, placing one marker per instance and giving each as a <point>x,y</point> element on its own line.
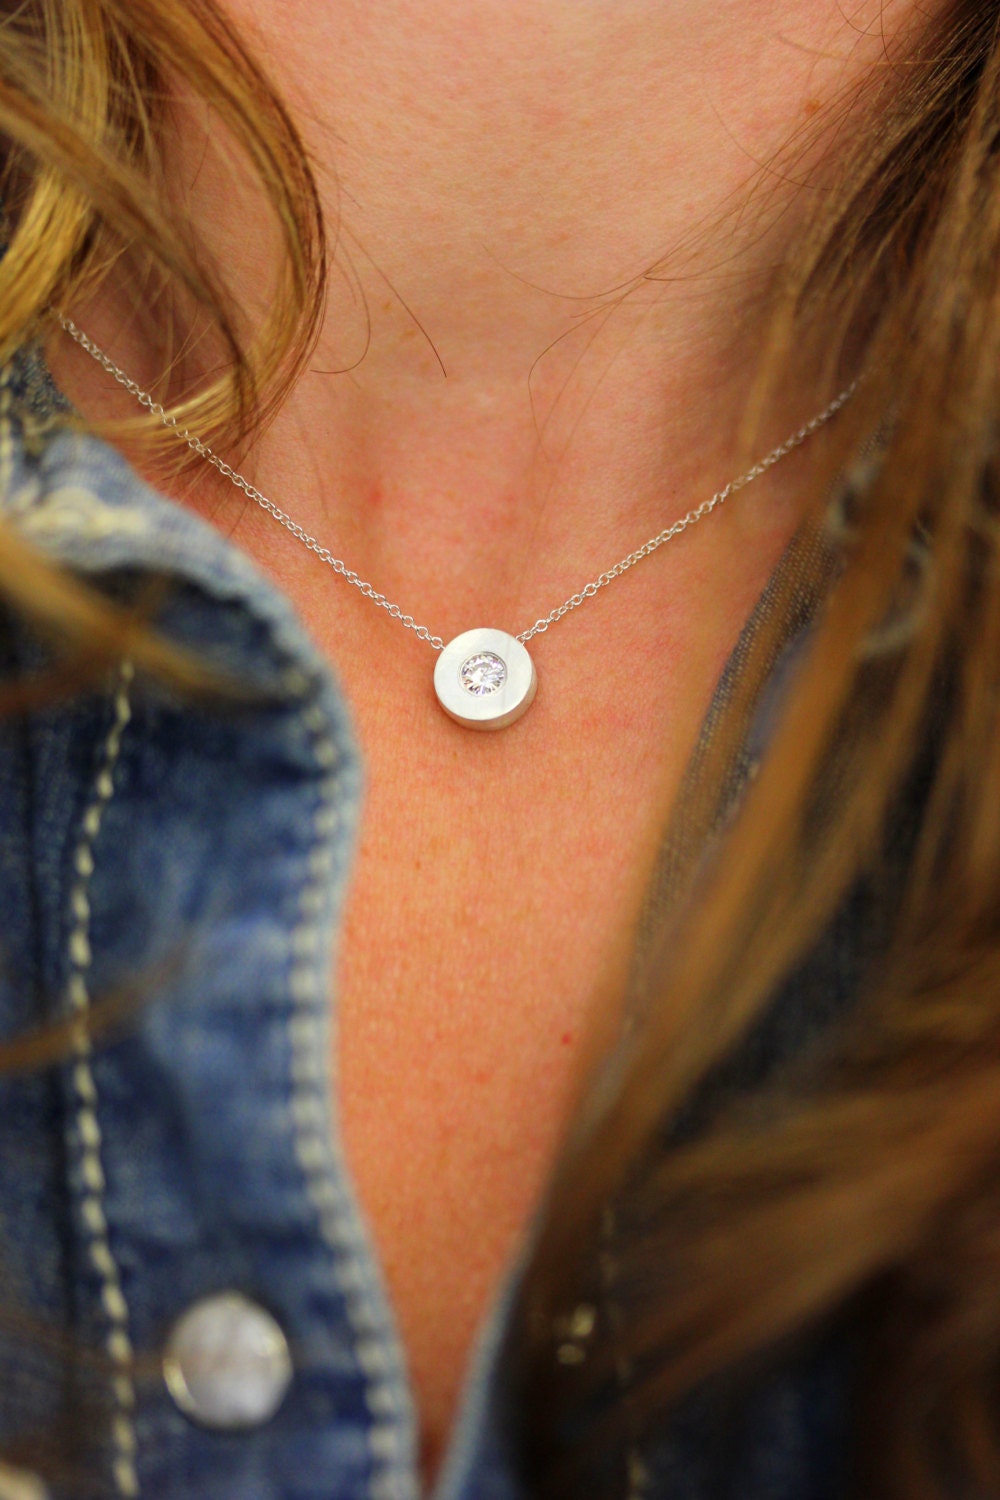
<point>485,679</point>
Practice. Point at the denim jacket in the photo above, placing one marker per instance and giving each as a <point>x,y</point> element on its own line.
<point>177,1184</point>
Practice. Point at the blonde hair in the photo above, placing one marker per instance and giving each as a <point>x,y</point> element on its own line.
<point>878,1169</point>
<point>85,91</point>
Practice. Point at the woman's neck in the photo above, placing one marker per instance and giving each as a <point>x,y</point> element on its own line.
<point>544,302</point>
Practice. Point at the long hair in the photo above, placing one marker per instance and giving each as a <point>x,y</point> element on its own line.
<point>87,88</point>
<point>864,1179</point>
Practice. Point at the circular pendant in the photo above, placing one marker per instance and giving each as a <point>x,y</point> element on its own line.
<point>485,679</point>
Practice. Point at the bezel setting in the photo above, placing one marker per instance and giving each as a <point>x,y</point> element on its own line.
<point>474,702</point>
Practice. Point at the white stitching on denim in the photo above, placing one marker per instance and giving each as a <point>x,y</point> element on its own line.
<point>88,1138</point>
<point>392,1475</point>
<point>18,1484</point>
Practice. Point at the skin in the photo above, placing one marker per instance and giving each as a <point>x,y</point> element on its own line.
<point>501,404</point>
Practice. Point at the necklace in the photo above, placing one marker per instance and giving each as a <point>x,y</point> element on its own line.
<point>484,678</point>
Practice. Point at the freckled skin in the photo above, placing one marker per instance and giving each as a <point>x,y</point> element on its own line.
<point>539,338</point>
<point>495,879</point>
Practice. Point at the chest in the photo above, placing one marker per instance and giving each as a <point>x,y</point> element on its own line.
<point>488,934</point>
<point>488,930</point>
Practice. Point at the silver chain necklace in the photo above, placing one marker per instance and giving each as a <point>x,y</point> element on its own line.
<point>484,679</point>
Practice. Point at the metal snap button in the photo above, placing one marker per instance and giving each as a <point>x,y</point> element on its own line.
<point>227,1364</point>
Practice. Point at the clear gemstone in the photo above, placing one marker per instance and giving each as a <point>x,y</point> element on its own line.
<point>483,674</point>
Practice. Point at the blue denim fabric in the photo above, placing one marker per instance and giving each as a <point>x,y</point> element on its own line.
<point>200,853</point>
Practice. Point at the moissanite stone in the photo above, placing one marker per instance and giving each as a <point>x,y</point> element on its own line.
<point>484,679</point>
<point>483,673</point>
